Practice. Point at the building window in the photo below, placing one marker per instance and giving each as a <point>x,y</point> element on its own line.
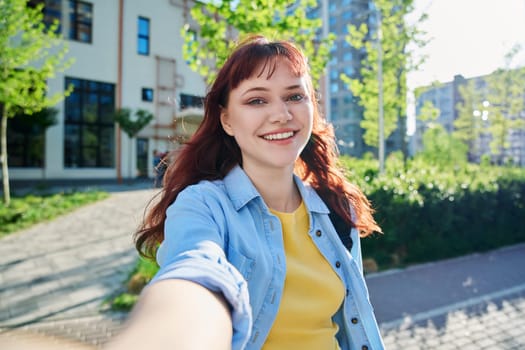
<point>332,24</point>
<point>26,138</point>
<point>143,36</point>
<point>333,103</point>
<point>334,87</point>
<point>80,21</point>
<point>347,57</point>
<point>147,94</point>
<point>349,71</point>
<point>187,101</point>
<point>52,11</point>
<point>89,125</point>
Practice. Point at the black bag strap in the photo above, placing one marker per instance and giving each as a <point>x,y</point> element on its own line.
<point>342,229</point>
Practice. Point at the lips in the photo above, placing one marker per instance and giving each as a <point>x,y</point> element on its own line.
<point>278,136</point>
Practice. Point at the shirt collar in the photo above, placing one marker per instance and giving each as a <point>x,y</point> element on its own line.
<point>241,190</point>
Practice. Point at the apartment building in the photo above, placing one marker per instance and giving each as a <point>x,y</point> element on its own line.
<point>127,54</point>
<point>446,97</point>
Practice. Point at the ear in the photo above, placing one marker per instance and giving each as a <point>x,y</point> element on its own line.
<point>224,121</point>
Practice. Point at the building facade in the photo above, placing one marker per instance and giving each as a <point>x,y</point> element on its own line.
<point>446,97</point>
<point>127,54</point>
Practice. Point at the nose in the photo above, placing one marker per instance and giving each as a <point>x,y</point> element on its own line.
<point>280,113</point>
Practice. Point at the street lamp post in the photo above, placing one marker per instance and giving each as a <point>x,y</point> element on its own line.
<point>381,126</point>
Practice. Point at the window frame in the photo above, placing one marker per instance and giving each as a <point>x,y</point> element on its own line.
<point>100,124</point>
<point>146,92</point>
<point>190,101</point>
<point>77,20</point>
<point>143,37</point>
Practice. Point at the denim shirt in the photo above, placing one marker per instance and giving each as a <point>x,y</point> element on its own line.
<point>222,235</point>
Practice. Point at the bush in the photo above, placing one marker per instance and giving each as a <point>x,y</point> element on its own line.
<point>429,214</point>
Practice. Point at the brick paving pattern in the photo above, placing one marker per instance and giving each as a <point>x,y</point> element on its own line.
<point>494,324</point>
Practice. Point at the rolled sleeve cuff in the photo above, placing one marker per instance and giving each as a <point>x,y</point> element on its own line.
<point>217,276</point>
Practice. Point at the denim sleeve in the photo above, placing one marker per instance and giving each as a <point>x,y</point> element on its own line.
<point>194,237</point>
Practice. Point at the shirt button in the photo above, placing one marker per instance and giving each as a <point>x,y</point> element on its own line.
<point>318,233</point>
<point>364,347</point>
<point>354,320</point>
<point>338,264</point>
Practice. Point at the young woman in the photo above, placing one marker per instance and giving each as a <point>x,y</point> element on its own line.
<point>249,256</point>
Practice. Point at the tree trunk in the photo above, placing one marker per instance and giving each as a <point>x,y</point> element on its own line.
<point>3,159</point>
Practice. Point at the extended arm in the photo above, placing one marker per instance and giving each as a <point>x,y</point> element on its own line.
<point>177,314</point>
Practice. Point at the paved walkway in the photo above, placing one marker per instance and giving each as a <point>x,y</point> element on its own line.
<point>473,302</point>
<point>55,277</point>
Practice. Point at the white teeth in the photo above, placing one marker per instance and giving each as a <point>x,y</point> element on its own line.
<point>280,136</point>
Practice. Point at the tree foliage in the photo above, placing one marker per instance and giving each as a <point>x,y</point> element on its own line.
<point>468,127</point>
<point>30,54</point>
<point>441,148</point>
<point>428,113</point>
<point>390,41</point>
<point>505,96</point>
<point>220,23</point>
<point>132,125</point>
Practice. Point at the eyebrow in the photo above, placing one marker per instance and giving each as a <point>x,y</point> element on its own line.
<point>260,88</point>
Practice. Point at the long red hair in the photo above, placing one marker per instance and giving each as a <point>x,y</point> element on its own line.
<point>211,153</point>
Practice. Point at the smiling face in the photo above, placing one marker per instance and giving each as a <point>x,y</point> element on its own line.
<point>270,116</point>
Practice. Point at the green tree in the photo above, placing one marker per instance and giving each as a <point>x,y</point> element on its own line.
<point>30,53</point>
<point>441,148</point>
<point>388,57</point>
<point>220,23</point>
<point>469,125</point>
<point>505,91</point>
<point>132,125</point>
<point>428,112</point>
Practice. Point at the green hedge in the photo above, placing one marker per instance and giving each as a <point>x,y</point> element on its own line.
<point>429,213</point>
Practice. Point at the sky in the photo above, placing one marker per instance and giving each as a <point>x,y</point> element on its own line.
<point>468,37</point>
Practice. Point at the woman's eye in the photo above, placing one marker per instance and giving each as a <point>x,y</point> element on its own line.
<point>296,97</point>
<point>255,101</point>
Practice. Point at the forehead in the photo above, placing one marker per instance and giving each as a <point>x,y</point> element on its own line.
<point>272,72</point>
<point>267,68</point>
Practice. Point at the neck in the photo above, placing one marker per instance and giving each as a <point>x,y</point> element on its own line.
<point>277,188</point>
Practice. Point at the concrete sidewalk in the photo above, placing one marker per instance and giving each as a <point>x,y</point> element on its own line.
<point>56,275</point>
<point>54,278</point>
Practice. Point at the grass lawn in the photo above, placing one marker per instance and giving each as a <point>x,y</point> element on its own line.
<point>28,210</point>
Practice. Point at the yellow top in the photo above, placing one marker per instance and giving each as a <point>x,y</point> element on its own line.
<point>312,291</point>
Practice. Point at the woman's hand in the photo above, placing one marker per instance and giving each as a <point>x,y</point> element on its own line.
<point>177,314</point>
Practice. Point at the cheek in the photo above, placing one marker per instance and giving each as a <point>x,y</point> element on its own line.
<point>305,113</point>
